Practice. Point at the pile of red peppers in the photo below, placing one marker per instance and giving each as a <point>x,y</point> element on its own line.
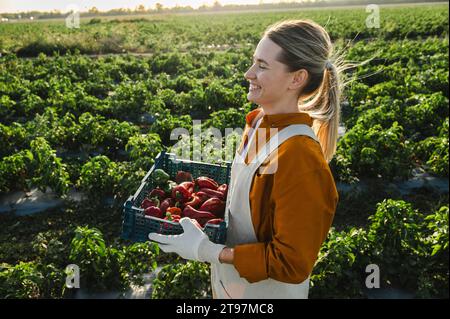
<point>201,199</point>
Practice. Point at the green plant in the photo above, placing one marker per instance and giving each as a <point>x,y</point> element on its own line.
<point>143,149</point>
<point>375,152</point>
<point>139,258</point>
<point>438,228</point>
<point>12,139</point>
<point>99,177</point>
<point>339,269</point>
<point>434,151</point>
<point>395,237</point>
<point>21,281</point>
<point>230,118</point>
<point>107,268</point>
<point>48,168</point>
<point>88,251</point>
<point>188,280</point>
<point>31,280</point>
<point>433,280</point>
<point>411,252</point>
<point>15,171</point>
<point>50,250</point>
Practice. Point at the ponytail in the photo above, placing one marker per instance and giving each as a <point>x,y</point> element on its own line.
<point>325,109</point>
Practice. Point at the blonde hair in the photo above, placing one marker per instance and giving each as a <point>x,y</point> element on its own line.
<point>307,45</point>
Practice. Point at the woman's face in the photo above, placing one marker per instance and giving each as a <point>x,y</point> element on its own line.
<point>270,81</point>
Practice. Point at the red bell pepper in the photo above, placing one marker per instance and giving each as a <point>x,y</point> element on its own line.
<point>223,189</point>
<point>206,182</point>
<point>154,211</point>
<point>183,192</point>
<point>174,211</point>
<point>212,193</point>
<point>149,203</point>
<point>215,221</point>
<point>157,193</point>
<point>195,201</point>
<point>168,202</point>
<point>202,195</point>
<point>215,206</point>
<point>165,227</point>
<point>200,216</point>
<point>189,186</point>
<point>183,177</point>
<point>171,217</point>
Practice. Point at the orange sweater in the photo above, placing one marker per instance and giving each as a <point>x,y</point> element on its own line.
<point>292,209</point>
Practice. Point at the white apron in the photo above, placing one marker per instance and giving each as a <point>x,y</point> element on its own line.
<point>226,281</point>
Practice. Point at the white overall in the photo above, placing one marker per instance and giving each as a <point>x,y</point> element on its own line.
<point>226,281</point>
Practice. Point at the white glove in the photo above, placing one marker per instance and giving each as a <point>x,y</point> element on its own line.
<point>192,244</point>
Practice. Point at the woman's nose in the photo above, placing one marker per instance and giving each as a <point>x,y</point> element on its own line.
<point>249,74</point>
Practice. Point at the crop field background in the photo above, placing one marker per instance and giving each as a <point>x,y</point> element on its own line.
<point>84,112</point>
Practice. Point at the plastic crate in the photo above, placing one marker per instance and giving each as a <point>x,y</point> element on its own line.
<point>136,226</point>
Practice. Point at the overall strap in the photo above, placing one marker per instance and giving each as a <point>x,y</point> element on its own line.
<point>281,137</point>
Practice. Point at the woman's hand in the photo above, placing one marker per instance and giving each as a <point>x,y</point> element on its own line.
<point>227,256</point>
<point>192,244</point>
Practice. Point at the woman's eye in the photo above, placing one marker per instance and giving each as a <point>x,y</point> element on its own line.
<point>259,65</point>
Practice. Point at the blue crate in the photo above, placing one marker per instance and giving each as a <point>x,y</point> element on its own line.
<point>136,226</point>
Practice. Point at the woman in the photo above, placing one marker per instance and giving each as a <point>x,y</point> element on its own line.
<point>282,196</point>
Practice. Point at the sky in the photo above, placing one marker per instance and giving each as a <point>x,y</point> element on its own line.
<point>12,6</point>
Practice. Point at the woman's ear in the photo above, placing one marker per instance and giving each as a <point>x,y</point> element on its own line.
<point>299,79</point>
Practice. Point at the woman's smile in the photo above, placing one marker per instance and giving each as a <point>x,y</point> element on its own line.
<point>254,87</point>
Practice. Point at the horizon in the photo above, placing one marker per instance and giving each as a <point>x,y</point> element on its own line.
<point>10,6</point>
<point>64,6</point>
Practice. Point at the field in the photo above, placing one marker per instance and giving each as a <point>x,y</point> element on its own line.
<point>85,111</point>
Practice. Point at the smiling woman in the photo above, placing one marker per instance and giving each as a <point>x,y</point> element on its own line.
<point>282,198</point>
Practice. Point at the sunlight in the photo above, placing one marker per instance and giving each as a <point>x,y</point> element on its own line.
<point>12,6</point>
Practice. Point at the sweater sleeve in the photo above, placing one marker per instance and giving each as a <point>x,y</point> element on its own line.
<point>304,206</point>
